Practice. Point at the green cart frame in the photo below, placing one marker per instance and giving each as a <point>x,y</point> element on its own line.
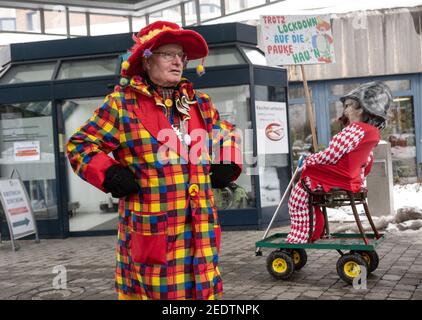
<point>361,260</point>
<point>287,258</point>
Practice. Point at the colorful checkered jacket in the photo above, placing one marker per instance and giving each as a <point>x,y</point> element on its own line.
<point>168,233</point>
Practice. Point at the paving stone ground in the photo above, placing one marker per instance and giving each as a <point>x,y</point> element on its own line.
<point>31,272</point>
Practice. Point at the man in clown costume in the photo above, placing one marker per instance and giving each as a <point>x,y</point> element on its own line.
<point>170,148</point>
<point>345,163</point>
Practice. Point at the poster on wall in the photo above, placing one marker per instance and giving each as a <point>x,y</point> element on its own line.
<point>26,151</point>
<point>17,208</point>
<point>272,130</point>
<point>292,40</point>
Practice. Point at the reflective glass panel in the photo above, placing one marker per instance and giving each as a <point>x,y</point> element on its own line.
<point>26,20</point>
<point>190,13</point>
<point>55,21</point>
<point>209,9</point>
<point>107,24</point>
<point>235,6</point>
<point>138,23</point>
<point>29,73</point>
<point>87,68</point>
<point>255,56</point>
<point>78,24</point>
<point>172,14</point>
<point>219,57</point>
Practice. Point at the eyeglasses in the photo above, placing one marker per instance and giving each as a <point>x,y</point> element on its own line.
<point>170,56</point>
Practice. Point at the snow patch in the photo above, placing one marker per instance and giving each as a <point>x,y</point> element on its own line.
<point>407,219</point>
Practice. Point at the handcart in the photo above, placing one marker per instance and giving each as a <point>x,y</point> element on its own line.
<point>361,257</point>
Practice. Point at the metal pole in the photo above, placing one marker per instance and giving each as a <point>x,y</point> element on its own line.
<point>279,205</point>
<point>67,21</point>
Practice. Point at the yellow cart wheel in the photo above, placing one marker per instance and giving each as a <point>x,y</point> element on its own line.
<point>351,266</point>
<point>280,265</point>
<point>371,258</point>
<point>299,257</point>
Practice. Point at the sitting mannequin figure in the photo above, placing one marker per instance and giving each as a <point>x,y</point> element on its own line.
<point>347,160</point>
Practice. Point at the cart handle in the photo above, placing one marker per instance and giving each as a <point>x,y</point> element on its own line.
<point>257,252</point>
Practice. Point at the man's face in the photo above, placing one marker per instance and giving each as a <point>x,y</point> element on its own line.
<point>165,66</point>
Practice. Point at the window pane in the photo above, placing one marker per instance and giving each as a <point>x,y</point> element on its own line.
<point>219,57</point>
<point>336,110</point>
<point>342,89</point>
<point>87,68</point>
<point>29,126</point>
<point>398,85</point>
<point>107,24</point>
<point>234,6</point>
<point>300,131</point>
<point>270,93</point>
<point>78,24</point>
<point>172,14</point>
<point>138,23</point>
<point>255,56</point>
<point>29,73</point>
<point>8,24</point>
<point>91,208</point>
<point>19,20</point>
<point>209,9</point>
<point>233,105</point>
<point>297,92</point>
<point>55,21</point>
<point>400,132</point>
<point>190,13</point>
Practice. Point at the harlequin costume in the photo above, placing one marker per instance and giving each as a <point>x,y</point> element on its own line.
<point>344,164</point>
<point>168,232</point>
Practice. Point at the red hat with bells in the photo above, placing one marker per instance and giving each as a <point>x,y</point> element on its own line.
<point>160,33</point>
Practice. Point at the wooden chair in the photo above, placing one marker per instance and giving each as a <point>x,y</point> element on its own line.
<point>339,198</point>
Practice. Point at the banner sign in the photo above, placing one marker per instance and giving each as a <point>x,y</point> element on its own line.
<point>291,40</point>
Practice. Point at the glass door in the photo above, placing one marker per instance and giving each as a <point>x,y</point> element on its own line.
<point>27,146</point>
<point>90,209</point>
<point>234,106</point>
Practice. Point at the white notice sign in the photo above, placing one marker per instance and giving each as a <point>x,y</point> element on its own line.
<point>272,130</point>
<point>26,151</point>
<point>17,208</point>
